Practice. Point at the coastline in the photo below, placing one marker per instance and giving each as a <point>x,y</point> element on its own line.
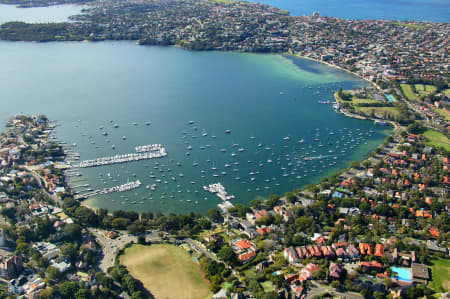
<point>336,67</point>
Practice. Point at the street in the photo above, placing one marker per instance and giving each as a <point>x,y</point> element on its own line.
<point>111,246</point>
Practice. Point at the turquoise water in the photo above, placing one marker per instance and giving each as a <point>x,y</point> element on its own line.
<point>390,98</point>
<point>402,274</point>
<point>413,10</point>
<point>273,98</point>
<point>59,13</point>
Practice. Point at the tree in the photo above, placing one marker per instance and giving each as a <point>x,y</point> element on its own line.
<point>83,294</point>
<point>214,215</point>
<point>290,196</point>
<point>335,284</point>
<point>227,254</point>
<point>72,231</point>
<point>53,273</point>
<point>138,295</point>
<point>68,289</point>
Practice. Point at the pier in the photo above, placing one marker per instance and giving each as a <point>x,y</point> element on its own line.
<point>157,152</point>
<point>219,190</point>
<point>125,187</point>
<point>148,148</point>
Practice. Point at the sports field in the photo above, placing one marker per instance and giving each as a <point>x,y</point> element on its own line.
<point>167,271</point>
<point>440,272</point>
<point>437,139</point>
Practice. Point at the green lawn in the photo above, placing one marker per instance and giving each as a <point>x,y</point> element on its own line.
<point>440,272</point>
<point>267,286</point>
<point>223,1</point>
<point>447,93</point>
<point>443,113</point>
<point>409,92</point>
<point>437,139</point>
<point>425,89</point>
<point>413,26</point>
<point>392,111</point>
<point>167,271</point>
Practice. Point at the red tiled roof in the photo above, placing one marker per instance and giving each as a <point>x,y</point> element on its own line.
<point>243,244</point>
<point>247,256</point>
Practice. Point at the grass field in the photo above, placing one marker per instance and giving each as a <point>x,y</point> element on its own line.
<point>440,272</point>
<point>413,26</point>
<point>443,113</point>
<point>425,89</point>
<point>437,139</point>
<point>409,92</point>
<point>392,111</point>
<point>267,286</point>
<point>447,93</point>
<point>223,1</point>
<point>167,271</point>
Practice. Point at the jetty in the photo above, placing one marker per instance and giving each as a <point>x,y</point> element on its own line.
<point>121,188</point>
<point>219,190</point>
<point>159,152</point>
<point>148,148</point>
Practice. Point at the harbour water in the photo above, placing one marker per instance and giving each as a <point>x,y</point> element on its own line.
<point>411,10</point>
<point>110,97</point>
<point>58,13</point>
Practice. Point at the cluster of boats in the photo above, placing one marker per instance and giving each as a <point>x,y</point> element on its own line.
<point>148,148</point>
<point>159,153</point>
<point>249,164</point>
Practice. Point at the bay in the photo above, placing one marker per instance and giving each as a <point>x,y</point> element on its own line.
<point>273,98</point>
<point>411,10</point>
<point>51,14</point>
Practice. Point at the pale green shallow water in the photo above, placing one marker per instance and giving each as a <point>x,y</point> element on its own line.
<point>266,96</point>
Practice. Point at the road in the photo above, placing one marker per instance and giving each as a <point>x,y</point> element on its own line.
<point>40,181</point>
<point>317,289</point>
<point>201,250</point>
<point>111,246</point>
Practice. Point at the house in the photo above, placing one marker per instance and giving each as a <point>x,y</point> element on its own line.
<point>335,270</point>
<point>290,255</point>
<point>260,214</point>
<point>420,272</point>
<point>365,248</point>
<point>379,250</point>
<point>240,245</point>
<point>265,230</point>
<point>245,257</point>
<point>341,254</point>
<point>10,266</point>
<point>280,211</point>
<point>374,265</point>
<point>308,272</point>
<point>245,224</point>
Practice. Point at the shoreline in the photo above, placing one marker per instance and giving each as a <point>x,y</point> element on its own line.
<point>335,67</point>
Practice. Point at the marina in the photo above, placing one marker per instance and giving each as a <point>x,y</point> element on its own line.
<point>121,188</point>
<point>157,151</point>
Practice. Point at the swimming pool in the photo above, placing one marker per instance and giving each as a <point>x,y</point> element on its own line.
<point>390,98</point>
<point>403,274</point>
